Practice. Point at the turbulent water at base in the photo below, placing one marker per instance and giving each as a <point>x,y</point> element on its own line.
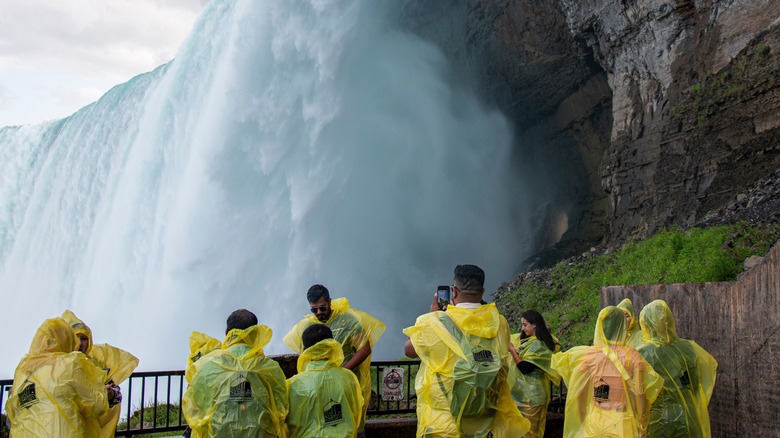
<point>290,142</point>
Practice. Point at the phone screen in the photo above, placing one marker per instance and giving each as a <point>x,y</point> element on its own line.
<point>444,295</point>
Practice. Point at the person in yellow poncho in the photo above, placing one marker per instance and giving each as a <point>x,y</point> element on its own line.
<point>57,391</point>
<point>236,390</point>
<point>610,386</point>
<point>357,331</point>
<point>633,332</point>
<point>117,363</point>
<point>201,344</point>
<point>532,352</point>
<point>325,399</point>
<point>462,384</point>
<point>688,372</point>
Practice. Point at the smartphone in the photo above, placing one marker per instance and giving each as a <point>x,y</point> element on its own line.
<point>444,295</point>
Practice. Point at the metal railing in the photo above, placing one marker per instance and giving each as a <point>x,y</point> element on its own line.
<point>393,384</point>
<point>152,399</point>
<point>153,410</point>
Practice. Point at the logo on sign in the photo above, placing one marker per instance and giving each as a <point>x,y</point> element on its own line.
<point>392,384</point>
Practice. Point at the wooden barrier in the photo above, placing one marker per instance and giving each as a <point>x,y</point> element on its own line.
<point>739,324</point>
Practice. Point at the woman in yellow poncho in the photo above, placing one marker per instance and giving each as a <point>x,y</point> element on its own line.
<point>688,372</point>
<point>532,352</point>
<point>633,332</point>
<point>610,386</point>
<point>325,399</point>
<point>117,363</point>
<point>57,391</point>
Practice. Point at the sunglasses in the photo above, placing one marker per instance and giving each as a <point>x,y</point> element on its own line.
<point>320,308</point>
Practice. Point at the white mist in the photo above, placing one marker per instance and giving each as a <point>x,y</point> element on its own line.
<point>290,142</point>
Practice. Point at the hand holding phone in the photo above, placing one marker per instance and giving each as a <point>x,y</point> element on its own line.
<point>444,295</point>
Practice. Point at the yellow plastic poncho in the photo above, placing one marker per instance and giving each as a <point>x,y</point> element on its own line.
<point>633,332</point>
<point>236,390</point>
<point>688,372</point>
<point>610,386</point>
<point>201,344</point>
<point>531,392</point>
<point>118,364</point>
<point>325,399</point>
<point>353,329</point>
<point>57,391</point>
<point>462,384</point>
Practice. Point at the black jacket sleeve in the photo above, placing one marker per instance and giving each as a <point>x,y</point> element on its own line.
<point>526,367</point>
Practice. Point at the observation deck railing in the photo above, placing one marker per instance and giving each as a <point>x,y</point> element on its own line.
<point>152,399</point>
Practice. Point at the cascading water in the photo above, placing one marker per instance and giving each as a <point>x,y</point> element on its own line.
<point>290,142</point>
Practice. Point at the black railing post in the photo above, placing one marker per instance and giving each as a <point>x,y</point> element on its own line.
<point>168,404</point>
<point>156,391</point>
<point>181,398</point>
<point>129,400</point>
<point>143,397</point>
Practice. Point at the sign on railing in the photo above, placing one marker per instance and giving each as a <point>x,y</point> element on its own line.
<point>394,387</point>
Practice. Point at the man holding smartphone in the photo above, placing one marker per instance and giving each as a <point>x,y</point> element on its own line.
<point>462,387</point>
<point>356,331</point>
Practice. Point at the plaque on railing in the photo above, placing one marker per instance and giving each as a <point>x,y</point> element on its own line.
<point>393,384</point>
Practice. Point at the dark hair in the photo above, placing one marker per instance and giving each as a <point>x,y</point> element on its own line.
<point>241,319</point>
<point>316,292</point>
<point>470,277</point>
<point>542,333</point>
<point>315,333</point>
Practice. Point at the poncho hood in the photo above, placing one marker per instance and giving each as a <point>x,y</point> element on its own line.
<point>256,336</point>
<point>627,306</point>
<point>52,337</point>
<point>328,350</point>
<point>482,321</point>
<point>78,327</point>
<point>657,321</point>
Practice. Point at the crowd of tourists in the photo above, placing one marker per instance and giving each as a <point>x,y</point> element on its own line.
<point>476,378</point>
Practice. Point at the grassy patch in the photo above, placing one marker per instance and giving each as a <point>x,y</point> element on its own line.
<point>149,420</point>
<point>568,294</point>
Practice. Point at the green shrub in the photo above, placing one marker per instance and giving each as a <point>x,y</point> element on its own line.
<point>148,418</point>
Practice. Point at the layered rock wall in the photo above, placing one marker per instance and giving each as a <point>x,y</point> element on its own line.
<point>640,114</point>
<point>676,154</point>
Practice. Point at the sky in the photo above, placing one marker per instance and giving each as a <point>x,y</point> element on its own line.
<point>58,56</point>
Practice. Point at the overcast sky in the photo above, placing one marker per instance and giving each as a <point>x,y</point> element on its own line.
<point>57,56</point>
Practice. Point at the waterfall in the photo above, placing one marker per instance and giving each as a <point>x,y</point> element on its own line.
<point>290,142</point>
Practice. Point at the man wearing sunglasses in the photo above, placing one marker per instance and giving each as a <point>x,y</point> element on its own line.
<point>356,331</point>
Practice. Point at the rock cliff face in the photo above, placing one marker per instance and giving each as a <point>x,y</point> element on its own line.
<point>649,113</point>
<point>695,104</point>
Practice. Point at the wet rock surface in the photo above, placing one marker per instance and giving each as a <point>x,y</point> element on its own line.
<point>649,113</point>
<point>759,204</point>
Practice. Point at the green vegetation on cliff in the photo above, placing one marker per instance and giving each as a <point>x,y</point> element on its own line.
<point>568,293</point>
